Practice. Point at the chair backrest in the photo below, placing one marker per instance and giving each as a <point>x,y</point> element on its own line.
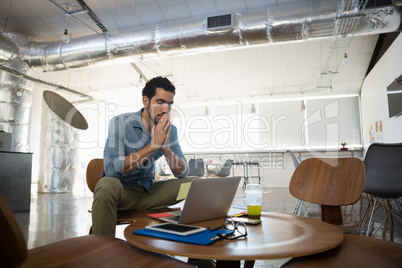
<point>328,181</point>
<point>383,164</point>
<point>94,172</point>
<point>196,167</point>
<point>225,171</point>
<point>13,248</point>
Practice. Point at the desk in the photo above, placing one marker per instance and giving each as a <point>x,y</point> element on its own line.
<point>279,236</point>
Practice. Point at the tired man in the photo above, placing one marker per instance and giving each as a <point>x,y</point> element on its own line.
<point>135,141</point>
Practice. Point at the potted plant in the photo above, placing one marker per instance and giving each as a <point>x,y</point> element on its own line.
<point>343,146</point>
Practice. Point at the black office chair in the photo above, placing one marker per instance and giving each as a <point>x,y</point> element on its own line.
<point>196,167</point>
<point>383,164</point>
<point>225,170</point>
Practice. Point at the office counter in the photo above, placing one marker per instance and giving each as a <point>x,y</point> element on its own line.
<point>15,179</point>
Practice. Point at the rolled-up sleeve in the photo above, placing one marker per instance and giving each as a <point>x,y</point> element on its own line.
<point>114,154</point>
<point>176,149</point>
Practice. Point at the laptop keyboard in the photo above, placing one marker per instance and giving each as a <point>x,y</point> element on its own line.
<point>173,218</point>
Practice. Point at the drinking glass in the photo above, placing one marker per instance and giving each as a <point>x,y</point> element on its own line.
<point>254,200</point>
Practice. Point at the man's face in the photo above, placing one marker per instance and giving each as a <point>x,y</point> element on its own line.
<point>159,105</point>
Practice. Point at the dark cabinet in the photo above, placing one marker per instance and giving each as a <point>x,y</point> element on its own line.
<point>15,179</point>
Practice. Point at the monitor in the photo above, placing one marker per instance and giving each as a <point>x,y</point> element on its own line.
<point>394,93</point>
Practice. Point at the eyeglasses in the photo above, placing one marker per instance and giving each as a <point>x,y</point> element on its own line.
<point>229,224</point>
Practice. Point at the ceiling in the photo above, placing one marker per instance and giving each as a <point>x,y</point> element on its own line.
<point>251,73</point>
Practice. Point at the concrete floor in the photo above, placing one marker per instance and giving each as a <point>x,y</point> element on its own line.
<point>55,217</point>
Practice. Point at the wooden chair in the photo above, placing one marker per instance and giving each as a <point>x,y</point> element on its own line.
<point>355,251</point>
<point>84,251</point>
<point>94,174</point>
<point>333,183</point>
<point>301,208</point>
<point>329,182</point>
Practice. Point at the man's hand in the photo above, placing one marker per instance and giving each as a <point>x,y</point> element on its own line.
<point>161,132</point>
<point>160,139</point>
<point>167,137</point>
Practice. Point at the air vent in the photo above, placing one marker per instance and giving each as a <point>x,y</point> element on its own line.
<point>379,3</point>
<point>217,22</point>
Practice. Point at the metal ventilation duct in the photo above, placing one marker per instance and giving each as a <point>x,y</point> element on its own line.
<point>60,158</point>
<point>8,50</point>
<point>302,20</point>
<point>15,97</point>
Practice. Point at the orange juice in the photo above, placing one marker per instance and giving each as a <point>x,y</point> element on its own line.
<point>254,211</point>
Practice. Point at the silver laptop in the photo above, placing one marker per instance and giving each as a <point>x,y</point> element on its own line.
<point>207,199</point>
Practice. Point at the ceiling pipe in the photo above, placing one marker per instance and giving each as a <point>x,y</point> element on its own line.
<point>303,20</point>
<point>8,50</point>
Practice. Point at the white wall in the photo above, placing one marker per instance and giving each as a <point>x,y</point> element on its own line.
<point>331,120</point>
<point>276,125</point>
<point>374,101</point>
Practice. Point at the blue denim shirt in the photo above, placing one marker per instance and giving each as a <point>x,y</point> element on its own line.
<point>126,136</point>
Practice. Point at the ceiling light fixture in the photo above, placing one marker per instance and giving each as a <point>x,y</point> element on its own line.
<point>345,59</point>
<point>253,109</point>
<point>65,38</point>
<point>140,80</point>
<point>302,106</point>
<point>19,92</point>
<point>330,90</point>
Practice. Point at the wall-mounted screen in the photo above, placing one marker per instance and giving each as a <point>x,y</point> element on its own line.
<point>394,93</point>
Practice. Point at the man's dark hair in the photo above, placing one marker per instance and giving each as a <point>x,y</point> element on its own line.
<point>150,87</point>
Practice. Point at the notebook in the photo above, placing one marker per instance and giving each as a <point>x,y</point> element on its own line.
<point>207,199</point>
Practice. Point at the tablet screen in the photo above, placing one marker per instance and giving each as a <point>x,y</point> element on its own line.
<point>179,229</point>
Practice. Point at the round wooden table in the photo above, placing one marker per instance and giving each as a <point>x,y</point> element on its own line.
<point>279,236</point>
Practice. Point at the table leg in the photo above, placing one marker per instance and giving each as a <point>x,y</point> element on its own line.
<point>227,264</point>
<point>230,264</point>
<point>249,264</point>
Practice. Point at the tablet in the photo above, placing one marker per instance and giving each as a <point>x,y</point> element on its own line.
<point>175,228</point>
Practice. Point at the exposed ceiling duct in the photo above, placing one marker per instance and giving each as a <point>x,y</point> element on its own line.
<point>8,50</point>
<point>305,20</point>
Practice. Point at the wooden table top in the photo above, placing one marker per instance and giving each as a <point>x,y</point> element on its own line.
<point>279,236</point>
